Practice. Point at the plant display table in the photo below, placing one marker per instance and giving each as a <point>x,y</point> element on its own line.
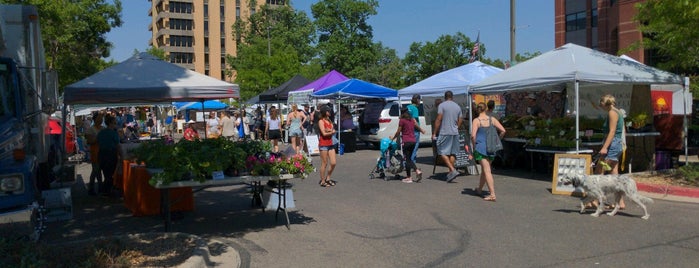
<point>255,181</point>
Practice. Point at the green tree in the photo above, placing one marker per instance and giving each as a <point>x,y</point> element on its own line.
<point>74,35</point>
<point>344,35</point>
<point>447,52</point>
<point>669,29</point>
<point>519,58</point>
<point>274,44</point>
<point>157,52</point>
<point>387,70</point>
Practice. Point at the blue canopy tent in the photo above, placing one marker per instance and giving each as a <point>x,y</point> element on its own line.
<point>354,89</point>
<point>199,106</point>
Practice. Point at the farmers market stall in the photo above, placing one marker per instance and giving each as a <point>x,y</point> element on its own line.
<point>582,75</point>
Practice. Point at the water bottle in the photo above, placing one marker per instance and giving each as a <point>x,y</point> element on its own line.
<point>342,149</point>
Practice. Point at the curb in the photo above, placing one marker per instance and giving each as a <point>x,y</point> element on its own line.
<point>670,192</point>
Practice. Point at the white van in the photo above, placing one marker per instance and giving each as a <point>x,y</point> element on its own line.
<point>380,120</point>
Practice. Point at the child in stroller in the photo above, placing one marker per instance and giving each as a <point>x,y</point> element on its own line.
<point>390,160</point>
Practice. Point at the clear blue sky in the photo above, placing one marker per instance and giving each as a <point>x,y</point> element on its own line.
<point>399,23</point>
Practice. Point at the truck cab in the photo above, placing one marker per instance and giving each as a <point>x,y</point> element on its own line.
<point>28,94</point>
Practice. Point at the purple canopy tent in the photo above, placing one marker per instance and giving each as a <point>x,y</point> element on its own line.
<point>302,95</point>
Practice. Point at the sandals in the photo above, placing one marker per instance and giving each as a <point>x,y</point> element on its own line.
<point>407,180</point>
<point>418,174</point>
<point>330,182</point>
<point>323,184</point>
<point>489,198</point>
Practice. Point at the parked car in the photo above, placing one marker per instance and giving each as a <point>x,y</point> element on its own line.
<point>380,120</point>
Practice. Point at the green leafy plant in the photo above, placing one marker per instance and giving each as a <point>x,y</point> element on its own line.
<point>639,120</point>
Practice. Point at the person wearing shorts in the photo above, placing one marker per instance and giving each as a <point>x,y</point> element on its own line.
<point>326,130</point>
<point>613,146</point>
<point>479,134</point>
<point>273,130</point>
<point>447,123</point>
<point>295,121</point>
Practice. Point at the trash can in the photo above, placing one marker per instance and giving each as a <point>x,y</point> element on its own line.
<point>663,160</point>
<point>349,139</point>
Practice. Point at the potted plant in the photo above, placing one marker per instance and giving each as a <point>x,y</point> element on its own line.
<point>639,120</point>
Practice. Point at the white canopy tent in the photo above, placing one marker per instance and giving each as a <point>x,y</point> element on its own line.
<point>144,78</point>
<point>457,80</point>
<point>579,66</point>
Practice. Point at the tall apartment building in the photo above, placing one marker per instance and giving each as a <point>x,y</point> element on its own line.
<point>197,34</point>
<point>605,25</point>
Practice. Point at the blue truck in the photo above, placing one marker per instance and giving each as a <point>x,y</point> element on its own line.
<point>28,96</point>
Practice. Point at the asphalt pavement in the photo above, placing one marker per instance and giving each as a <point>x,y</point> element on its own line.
<point>375,223</point>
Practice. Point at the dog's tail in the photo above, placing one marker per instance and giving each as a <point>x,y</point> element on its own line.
<point>646,200</point>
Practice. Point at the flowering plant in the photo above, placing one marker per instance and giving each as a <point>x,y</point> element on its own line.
<point>275,164</point>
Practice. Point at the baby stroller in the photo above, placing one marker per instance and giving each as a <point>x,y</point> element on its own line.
<point>390,160</point>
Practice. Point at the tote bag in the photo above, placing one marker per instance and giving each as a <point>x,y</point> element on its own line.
<point>492,142</point>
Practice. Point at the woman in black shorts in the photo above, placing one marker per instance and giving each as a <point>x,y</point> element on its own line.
<point>273,129</point>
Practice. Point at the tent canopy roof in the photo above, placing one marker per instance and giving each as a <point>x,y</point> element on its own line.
<point>355,88</point>
<point>196,105</point>
<point>457,80</point>
<point>329,79</point>
<point>145,78</point>
<point>570,63</point>
<point>281,93</point>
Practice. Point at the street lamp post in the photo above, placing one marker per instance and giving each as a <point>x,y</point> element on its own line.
<point>269,56</point>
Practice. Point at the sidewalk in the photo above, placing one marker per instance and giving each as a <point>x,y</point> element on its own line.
<point>670,192</point>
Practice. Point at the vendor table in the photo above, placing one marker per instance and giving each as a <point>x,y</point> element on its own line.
<point>255,181</point>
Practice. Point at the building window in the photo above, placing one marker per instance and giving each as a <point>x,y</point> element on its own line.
<point>206,27</point>
<point>223,11</point>
<point>593,20</point>
<point>179,24</point>
<point>206,11</point>
<point>276,2</point>
<point>181,41</point>
<point>178,57</point>
<point>223,28</point>
<point>575,21</point>
<point>223,44</point>
<point>179,7</point>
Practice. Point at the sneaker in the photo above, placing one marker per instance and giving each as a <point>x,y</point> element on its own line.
<point>407,180</point>
<point>452,175</point>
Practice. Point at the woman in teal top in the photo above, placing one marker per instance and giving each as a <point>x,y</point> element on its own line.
<point>613,145</point>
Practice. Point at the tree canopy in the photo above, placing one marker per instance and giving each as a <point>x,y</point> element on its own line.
<point>74,35</point>
<point>344,35</point>
<point>669,29</point>
<point>274,44</point>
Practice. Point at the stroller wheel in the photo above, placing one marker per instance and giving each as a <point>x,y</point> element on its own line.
<point>371,176</point>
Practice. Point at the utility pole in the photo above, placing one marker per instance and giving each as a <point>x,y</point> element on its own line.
<point>269,56</point>
<point>512,32</point>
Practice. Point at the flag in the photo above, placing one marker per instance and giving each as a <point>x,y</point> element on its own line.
<point>476,47</point>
